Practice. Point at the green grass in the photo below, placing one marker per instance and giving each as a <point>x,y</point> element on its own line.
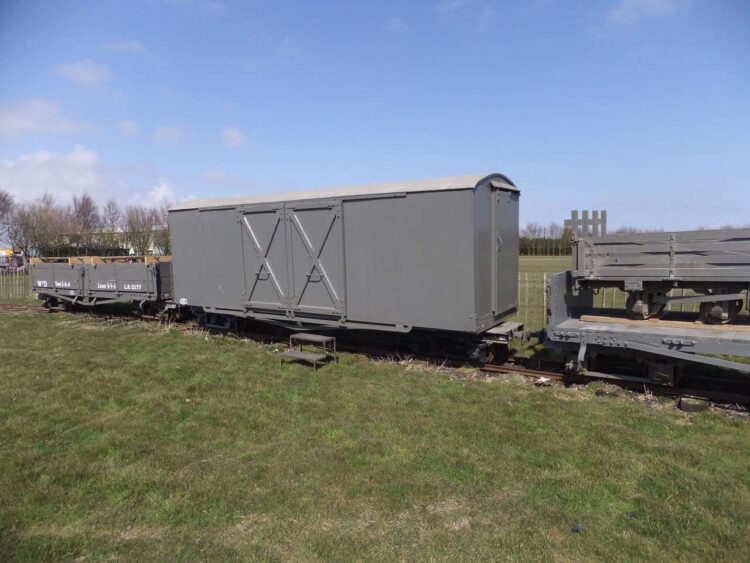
<point>128,442</point>
<point>544,264</point>
<point>531,289</point>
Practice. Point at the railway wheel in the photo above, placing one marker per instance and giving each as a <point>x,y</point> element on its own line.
<point>491,353</point>
<point>720,312</point>
<point>482,353</point>
<point>640,305</point>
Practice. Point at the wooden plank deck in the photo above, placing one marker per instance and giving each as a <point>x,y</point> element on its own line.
<point>656,323</point>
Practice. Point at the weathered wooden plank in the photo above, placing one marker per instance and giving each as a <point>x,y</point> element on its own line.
<point>665,323</point>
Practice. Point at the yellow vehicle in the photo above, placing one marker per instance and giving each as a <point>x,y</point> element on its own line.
<point>5,255</point>
<point>11,260</point>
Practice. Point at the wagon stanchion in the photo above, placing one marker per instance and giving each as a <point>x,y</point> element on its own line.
<point>682,305</point>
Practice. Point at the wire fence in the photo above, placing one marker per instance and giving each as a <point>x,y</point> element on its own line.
<point>532,300</point>
<point>14,285</point>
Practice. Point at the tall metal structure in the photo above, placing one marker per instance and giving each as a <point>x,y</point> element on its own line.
<point>587,227</point>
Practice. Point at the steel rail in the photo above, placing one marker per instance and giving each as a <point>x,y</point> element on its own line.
<point>708,394</point>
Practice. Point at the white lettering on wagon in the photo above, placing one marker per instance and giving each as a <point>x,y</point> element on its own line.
<point>63,284</point>
<point>108,285</point>
<point>133,287</point>
<point>41,283</point>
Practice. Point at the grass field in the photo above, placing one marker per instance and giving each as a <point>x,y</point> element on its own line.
<point>131,442</point>
<point>543,264</point>
<point>532,271</point>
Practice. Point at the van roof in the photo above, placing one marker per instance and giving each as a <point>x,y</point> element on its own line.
<point>437,184</point>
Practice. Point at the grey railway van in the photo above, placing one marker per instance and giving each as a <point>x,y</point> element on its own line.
<point>434,254</point>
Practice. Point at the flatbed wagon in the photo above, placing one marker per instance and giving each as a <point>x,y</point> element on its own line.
<point>714,265</point>
<point>579,329</point>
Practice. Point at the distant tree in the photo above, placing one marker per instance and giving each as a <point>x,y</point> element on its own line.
<point>20,228</point>
<point>531,238</point>
<point>532,230</point>
<point>626,230</point>
<point>554,230</point>
<point>161,231</point>
<point>566,239</point>
<point>111,223</point>
<point>40,227</point>
<point>139,227</point>
<point>85,221</point>
<point>6,212</point>
<point>552,235</point>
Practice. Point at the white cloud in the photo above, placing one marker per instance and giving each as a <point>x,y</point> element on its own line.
<point>289,47</point>
<point>85,73</point>
<point>487,18</point>
<point>631,11</point>
<point>161,194</point>
<point>207,5</point>
<point>215,176</point>
<point>36,117</point>
<point>133,47</point>
<point>169,134</point>
<point>215,7</point>
<point>61,175</point>
<point>220,178</point>
<point>128,127</point>
<point>447,6</point>
<point>397,25</point>
<point>465,11</point>
<point>232,136</point>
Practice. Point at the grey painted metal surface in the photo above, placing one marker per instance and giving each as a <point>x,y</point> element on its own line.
<point>90,282</point>
<point>110,282</point>
<point>717,255</point>
<point>60,279</point>
<point>431,185</point>
<point>691,343</point>
<point>714,264</point>
<point>435,255</point>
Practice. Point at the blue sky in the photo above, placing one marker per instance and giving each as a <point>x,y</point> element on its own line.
<point>640,107</point>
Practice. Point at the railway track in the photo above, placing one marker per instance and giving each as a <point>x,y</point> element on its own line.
<point>20,308</point>
<point>713,395</point>
<point>558,374</point>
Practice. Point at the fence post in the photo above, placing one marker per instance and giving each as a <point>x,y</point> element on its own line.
<point>526,300</point>
<point>518,299</point>
<point>544,300</point>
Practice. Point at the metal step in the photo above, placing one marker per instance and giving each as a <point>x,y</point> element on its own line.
<point>309,337</point>
<point>310,357</point>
